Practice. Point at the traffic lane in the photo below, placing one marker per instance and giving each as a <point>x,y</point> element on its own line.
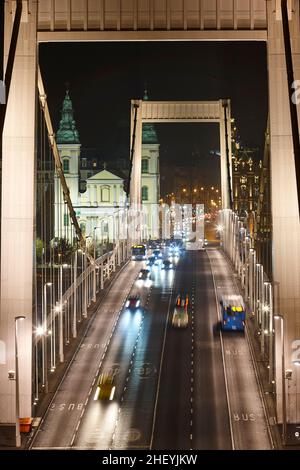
<point>249,424</point>
<point>211,428</point>
<point>118,361</point>
<point>247,413</point>
<point>135,423</point>
<point>60,421</point>
<point>173,414</point>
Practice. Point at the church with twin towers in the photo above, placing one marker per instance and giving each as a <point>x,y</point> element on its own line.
<point>98,194</point>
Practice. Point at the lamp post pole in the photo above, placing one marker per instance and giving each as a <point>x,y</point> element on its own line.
<point>283,390</point>
<point>95,274</point>
<point>74,323</point>
<point>44,339</point>
<point>18,435</point>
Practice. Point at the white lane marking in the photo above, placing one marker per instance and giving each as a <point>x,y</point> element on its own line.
<point>160,367</point>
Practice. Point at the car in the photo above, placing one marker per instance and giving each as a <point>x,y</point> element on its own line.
<point>144,274</point>
<point>151,260</point>
<point>133,302</point>
<point>157,254</point>
<point>106,387</point>
<point>167,264</point>
<point>180,318</point>
<point>151,245</point>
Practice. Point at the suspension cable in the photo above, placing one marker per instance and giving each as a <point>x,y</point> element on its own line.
<point>59,168</point>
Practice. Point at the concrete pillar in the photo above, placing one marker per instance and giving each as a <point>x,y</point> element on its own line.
<point>224,177</point>
<point>18,209</point>
<point>136,176</point>
<point>286,226</point>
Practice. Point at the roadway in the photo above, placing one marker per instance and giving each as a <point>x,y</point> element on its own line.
<point>170,383</point>
<point>62,420</point>
<point>192,409</point>
<point>249,423</point>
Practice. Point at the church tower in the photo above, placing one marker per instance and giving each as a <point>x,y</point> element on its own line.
<point>150,176</point>
<point>67,139</point>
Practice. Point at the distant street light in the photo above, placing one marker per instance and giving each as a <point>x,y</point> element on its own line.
<point>18,435</point>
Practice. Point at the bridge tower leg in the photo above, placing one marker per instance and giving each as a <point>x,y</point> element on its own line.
<point>18,209</point>
<point>136,176</point>
<point>285,217</point>
<point>224,166</point>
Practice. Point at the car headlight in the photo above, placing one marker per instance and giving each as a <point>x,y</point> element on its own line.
<point>127,303</point>
<point>112,393</point>
<point>138,303</point>
<point>140,275</point>
<point>133,257</point>
<point>171,265</point>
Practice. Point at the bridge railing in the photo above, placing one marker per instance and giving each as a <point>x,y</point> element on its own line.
<point>238,244</point>
<point>61,320</point>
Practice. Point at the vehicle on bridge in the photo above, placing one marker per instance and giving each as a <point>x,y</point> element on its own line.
<point>167,264</point>
<point>151,260</point>
<point>233,312</point>
<point>157,253</point>
<point>180,317</point>
<point>133,302</point>
<point>144,274</point>
<point>106,387</point>
<point>138,252</point>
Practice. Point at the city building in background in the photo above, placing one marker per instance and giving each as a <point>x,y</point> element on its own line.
<point>97,188</point>
<point>246,172</point>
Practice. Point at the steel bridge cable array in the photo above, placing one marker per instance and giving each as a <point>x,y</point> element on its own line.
<point>68,277</point>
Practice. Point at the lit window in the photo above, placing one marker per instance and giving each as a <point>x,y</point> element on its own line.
<point>145,193</point>
<point>66,165</point>
<point>145,165</point>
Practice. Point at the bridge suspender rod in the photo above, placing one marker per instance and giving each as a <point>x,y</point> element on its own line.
<point>136,106</point>
<point>293,107</point>
<point>227,154</point>
<point>59,168</point>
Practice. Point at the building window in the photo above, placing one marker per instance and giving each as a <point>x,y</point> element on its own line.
<point>83,162</point>
<point>105,194</point>
<point>66,220</point>
<point>145,193</point>
<point>145,165</point>
<point>66,165</point>
<point>94,164</point>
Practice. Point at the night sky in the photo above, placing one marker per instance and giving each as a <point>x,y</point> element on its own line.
<point>104,77</point>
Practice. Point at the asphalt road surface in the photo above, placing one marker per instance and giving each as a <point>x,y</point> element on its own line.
<point>189,388</point>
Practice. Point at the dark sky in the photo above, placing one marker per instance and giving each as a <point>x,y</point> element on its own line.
<point>104,77</point>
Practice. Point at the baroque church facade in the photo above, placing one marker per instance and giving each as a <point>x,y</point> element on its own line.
<point>98,197</point>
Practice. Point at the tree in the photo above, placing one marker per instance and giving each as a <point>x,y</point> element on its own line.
<point>39,249</point>
<point>63,250</point>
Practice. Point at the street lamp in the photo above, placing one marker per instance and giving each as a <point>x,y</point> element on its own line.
<point>18,435</point>
<point>44,339</point>
<point>283,390</point>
